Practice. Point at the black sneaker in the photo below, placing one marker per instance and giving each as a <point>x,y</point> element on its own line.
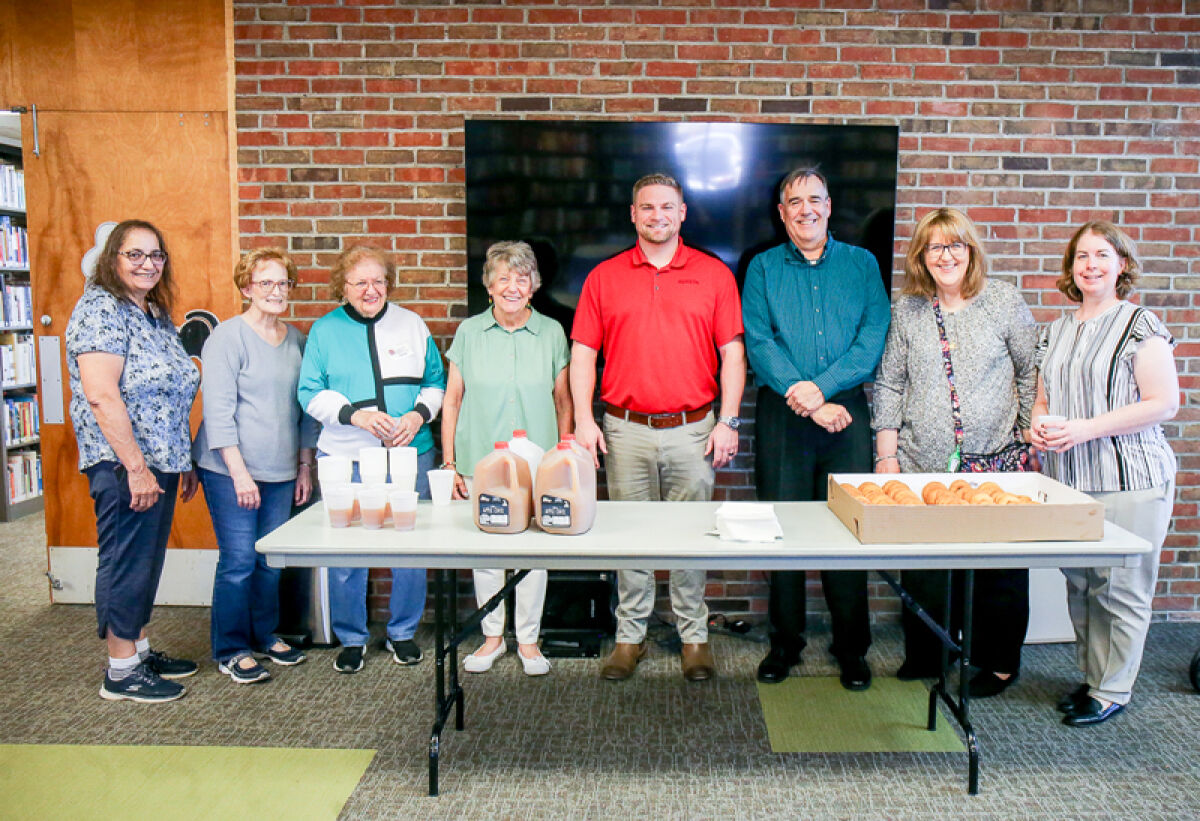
<point>142,685</point>
<point>287,656</point>
<point>164,666</point>
<point>244,675</point>
<point>350,660</point>
<point>404,652</point>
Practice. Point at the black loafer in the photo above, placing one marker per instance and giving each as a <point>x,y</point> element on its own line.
<point>856,675</point>
<point>1074,700</point>
<point>774,668</point>
<point>1092,713</point>
<point>986,684</point>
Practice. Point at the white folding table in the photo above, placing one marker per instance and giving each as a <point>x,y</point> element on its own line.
<point>664,536</point>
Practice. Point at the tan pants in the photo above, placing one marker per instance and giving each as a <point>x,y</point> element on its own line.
<point>668,464</point>
<point>1110,606</point>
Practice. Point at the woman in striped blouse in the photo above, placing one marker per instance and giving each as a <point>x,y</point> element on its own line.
<point>1109,370</point>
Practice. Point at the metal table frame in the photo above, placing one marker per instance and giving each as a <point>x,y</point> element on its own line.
<point>667,536</point>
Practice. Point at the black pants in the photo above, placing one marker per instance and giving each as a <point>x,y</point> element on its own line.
<point>793,459</point>
<point>999,620</point>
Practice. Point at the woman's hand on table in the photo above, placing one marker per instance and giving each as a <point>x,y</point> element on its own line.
<point>376,423</point>
<point>460,487</point>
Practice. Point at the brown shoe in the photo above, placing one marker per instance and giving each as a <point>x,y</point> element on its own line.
<point>623,661</point>
<point>697,662</point>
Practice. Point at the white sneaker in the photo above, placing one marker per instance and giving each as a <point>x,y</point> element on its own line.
<point>481,664</point>
<point>536,666</point>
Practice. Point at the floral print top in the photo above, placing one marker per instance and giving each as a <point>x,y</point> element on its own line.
<point>157,385</point>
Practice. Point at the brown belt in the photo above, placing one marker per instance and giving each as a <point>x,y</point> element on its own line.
<point>658,420</point>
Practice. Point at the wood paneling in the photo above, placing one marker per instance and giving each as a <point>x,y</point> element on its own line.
<point>115,55</point>
<point>170,169</point>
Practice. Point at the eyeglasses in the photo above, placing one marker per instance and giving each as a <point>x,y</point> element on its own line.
<point>270,286</point>
<point>137,256</point>
<point>956,249</point>
<point>368,284</point>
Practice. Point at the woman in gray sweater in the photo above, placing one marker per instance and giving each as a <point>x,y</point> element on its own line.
<point>988,333</point>
<point>255,457</point>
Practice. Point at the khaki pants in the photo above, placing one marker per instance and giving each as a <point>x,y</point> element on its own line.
<point>645,464</point>
<point>1110,606</point>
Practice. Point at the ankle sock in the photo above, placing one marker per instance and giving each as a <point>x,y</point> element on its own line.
<point>120,668</point>
<point>143,648</point>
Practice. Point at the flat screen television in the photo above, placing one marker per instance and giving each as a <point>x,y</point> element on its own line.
<point>565,187</point>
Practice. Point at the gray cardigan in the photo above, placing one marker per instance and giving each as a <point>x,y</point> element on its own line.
<point>993,339</point>
<point>248,388</point>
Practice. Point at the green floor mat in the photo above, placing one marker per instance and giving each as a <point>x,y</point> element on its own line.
<point>82,782</point>
<point>817,715</point>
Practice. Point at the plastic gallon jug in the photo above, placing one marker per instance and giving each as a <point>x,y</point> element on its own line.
<point>503,492</point>
<point>527,449</point>
<point>565,491</point>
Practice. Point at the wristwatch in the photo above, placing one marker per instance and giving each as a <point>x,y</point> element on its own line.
<point>732,422</point>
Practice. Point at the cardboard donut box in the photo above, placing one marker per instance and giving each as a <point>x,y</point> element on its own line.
<point>1062,514</point>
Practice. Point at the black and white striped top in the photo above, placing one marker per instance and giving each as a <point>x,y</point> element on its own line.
<point>1087,370</point>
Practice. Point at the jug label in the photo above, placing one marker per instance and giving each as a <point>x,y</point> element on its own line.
<point>556,511</point>
<point>493,510</point>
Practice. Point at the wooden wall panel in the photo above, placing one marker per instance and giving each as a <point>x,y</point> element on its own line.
<point>117,55</point>
<point>170,169</point>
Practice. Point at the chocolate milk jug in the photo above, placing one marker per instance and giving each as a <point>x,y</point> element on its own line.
<point>502,492</point>
<point>565,492</point>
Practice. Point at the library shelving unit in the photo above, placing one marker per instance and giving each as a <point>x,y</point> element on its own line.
<point>20,442</point>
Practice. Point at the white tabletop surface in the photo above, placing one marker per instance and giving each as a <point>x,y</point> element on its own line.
<point>661,535</point>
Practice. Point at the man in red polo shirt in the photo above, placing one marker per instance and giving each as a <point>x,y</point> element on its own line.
<point>668,319</point>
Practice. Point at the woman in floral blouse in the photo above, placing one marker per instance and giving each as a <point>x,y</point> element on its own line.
<point>132,386</point>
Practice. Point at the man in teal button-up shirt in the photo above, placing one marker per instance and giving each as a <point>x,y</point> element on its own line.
<point>816,316</point>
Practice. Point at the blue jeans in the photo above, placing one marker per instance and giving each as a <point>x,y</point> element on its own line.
<point>132,547</point>
<point>348,588</point>
<point>245,606</point>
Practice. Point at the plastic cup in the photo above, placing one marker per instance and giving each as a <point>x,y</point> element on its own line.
<point>441,486</point>
<point>373,465</point>
<point>373,503</point>
<point>334,470</point>
<point>402,461</point>
<point>404,479</point>
<point>1052,421</point>
<point>404,509</point>
<point>339,504</point>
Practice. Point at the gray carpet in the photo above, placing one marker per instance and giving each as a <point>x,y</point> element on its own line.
<point>572,746</point>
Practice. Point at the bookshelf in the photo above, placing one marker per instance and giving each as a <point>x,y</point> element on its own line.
<point>20,439</point>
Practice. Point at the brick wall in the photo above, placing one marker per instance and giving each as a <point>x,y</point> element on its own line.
<point>1032,115</point>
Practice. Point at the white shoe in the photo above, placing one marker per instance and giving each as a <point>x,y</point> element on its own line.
<point>475,663</point>
<point>536,666</point>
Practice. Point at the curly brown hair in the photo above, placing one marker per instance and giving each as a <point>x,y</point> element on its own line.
<point>108,277</point>
<point>351,257</point>
<point>1121,243</point>
<point>243,272</point>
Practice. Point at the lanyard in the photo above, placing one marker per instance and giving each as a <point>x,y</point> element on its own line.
<point>955,460</point>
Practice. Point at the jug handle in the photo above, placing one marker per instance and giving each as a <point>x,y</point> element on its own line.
<point>513,479</point>
<point>575,475</point>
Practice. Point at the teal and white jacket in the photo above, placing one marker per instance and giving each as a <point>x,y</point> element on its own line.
<point>388,362</point>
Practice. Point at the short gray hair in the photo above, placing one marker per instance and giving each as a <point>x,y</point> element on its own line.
<point>518,257</point>
<point>803,172</point>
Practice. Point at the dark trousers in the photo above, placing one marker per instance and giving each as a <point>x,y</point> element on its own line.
<point>793,459</point>
<point>132,548</point>
<point>999,620</point>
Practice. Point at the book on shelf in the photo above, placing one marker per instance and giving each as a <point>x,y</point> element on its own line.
<point>12,187</point>
<point>18,363</point>
<point>24,476</point>
<point>21,422</point>
<point>14,244</point>
<point>16,304</point>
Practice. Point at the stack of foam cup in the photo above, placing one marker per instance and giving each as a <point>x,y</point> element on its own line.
<point>333,474</point>
<point>334,470</point>
<point>403,463</point>
<point>372,465</point>
<point>372,501</point>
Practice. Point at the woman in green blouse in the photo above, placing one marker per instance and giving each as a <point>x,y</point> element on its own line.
<point>507,371</point>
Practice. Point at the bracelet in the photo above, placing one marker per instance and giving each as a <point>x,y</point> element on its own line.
<point>448,465</point>
<point>879,459</point>
<point>308,465</point>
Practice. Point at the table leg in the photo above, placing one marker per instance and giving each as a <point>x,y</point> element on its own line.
<point>964,689</point>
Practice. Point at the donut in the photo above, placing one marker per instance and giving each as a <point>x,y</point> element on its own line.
<point>894,486</point>
<point>981,498</point>
<point>931,490</point>
<point>960,486</point>
<point>853,492</point>
<point>991,488</point>
<point>869,487</point>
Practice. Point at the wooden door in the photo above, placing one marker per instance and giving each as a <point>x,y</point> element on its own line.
<point>171,169</point>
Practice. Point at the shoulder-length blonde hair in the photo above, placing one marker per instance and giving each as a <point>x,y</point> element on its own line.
<point>351,257</point>
<point>955,226</point>
<point>1121,243</point>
